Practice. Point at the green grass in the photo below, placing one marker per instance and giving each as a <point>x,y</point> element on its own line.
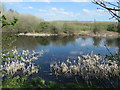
<point>18,82</point>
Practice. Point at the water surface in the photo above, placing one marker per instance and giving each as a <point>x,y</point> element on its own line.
<point>60,48</point>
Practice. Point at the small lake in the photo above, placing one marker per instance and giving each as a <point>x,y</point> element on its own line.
<point>60,48</point>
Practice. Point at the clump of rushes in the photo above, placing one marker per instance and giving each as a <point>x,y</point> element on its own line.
<point>15,61</point>
<point>88,67</point>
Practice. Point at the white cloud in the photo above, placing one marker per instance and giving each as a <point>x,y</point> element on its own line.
<point>54,9</point>
<point>61,14</point>
<point>61,9</point>
<point>28,7</point>
<point>42,10</point>
<point>53,13</point>
<point>58,11</point>
<point>94,13</point>
<point>86,10</point>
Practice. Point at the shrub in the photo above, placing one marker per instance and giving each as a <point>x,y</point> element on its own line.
<point>53,29</point>
<point>67,28</point>
<point>44,27</point>
<point>112,27</point>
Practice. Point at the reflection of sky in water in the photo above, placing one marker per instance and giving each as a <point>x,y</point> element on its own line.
<point>75,48</point>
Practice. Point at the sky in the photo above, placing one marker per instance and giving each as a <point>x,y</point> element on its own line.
<point>51,10</point>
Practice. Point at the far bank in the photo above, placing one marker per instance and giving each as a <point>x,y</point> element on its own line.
<point>106,34</point>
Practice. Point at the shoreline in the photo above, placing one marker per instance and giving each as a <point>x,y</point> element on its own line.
<point>106,34</point>
<point>37,34</point>
<point>82,33</point>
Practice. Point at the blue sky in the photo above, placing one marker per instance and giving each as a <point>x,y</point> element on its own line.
<point>50,11</point>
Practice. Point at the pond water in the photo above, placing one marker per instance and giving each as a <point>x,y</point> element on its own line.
<point>60,48</point>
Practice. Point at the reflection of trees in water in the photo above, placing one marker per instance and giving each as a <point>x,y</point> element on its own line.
<point>26,42</point>
<point>113,42</point>
<point>118,43</point>
<point>96,41</point>
<point>23,42</point>
<point>8,39</point>
<point>59,41</point>
<point>84,38</point>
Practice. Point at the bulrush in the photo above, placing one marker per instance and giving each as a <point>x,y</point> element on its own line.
<point>88,66</point>
<point>96,57</point>
<point>19,62</point>
<point>57,69</point>
<point>68,61</point>
<point>74,69</point>
<point>64,68</point>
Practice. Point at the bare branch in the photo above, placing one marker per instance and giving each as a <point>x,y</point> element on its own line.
<point>112,4</point>
<point>111,7</point>
<point>103,4</point>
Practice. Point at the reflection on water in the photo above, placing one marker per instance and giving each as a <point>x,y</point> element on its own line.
<point>25,42</point>
<point>60,48</point>
<point>32,42</point>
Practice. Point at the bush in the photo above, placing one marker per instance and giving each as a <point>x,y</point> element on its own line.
<point>112,27</point>
<point>96,28</point>
<point>53,29</point>
<point>44,27</point>
<point>67,28</point>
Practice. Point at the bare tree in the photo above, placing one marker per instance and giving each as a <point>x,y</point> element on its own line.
<point>112,7</point>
